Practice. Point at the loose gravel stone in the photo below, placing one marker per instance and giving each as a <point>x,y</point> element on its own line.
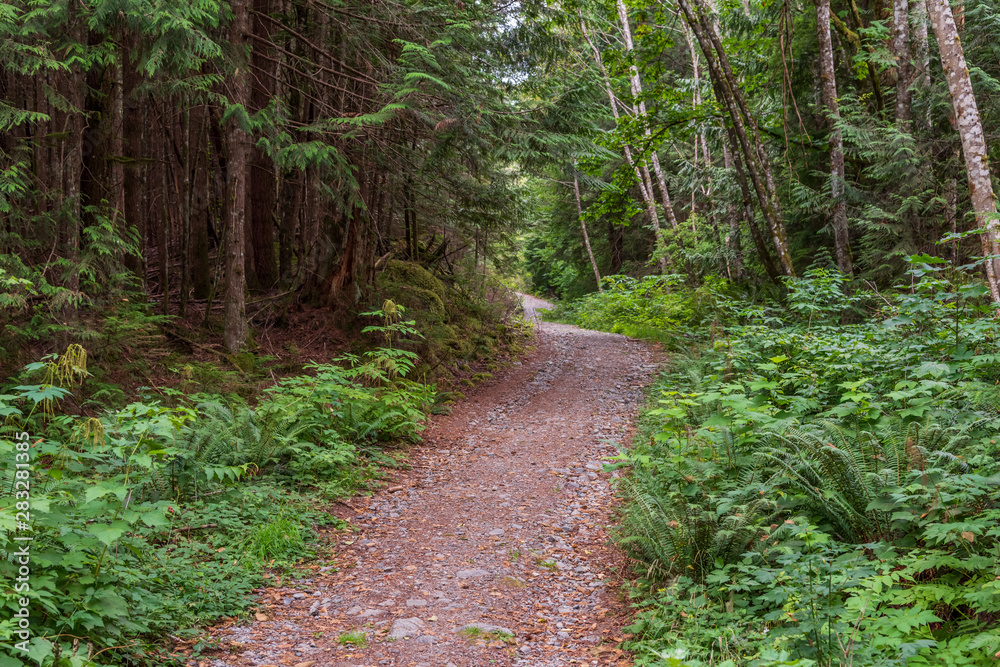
<point>406,627</point>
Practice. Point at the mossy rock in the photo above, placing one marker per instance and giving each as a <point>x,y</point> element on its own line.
<point>442,340</point>
<point>244,361</point>
<point>416,289</point>
<point>413,275</point>
<point>422,305</point>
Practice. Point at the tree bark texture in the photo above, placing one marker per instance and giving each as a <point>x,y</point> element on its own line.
<point>728,92</point>
<point>263,183</point>
<point>828,80</point>
<point>236,182</point>
<point>970,129</point>
<point>583,228</point>
<point>901,49</point>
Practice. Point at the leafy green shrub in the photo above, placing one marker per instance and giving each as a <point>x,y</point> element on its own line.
<point>810,492</point>
<point>139,517</point>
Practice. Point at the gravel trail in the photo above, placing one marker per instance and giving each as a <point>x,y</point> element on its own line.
<point>493,549</point>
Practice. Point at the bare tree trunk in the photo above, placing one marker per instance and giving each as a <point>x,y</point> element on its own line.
<point>201,174</point>
<point>583,226</point>
<point>639,107</point>
<point>236,167</point>
<point>162,227</point>
<point>901,49</point>
<point>970,129</point>
<point>921,55</point>
<point>921,52</point>
<point>185,195</point>
<point>748,213</point>
<point>730,95</point>
<point>647,193</point>
<point>134,179</point>
<point>263,182</point>
<point>951,214</point>
<point>72,165</point>
<point>841,238</point>
<point>733,238</point>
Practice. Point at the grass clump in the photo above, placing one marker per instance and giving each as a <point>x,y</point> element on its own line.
<point>280,539</point>
<point>357,639</point>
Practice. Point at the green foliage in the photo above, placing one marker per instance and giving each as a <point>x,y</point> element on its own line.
<point>155,519</point>
<point>655,307</point>
<point>809,492</point>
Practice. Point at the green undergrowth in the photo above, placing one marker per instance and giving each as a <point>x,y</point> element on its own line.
<point>151,520</point>
<point>465,322</point>
<point>655,308</point>
<point>815,481</point>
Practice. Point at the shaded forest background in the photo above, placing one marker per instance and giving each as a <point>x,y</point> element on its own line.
<point>182,158</point>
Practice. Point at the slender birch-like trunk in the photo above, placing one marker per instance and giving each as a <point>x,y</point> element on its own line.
<point>639,107</point>
<point>728,93</point>
<point>236,174</point>
<point>828,80</point>
<point>921,52</point>
<point>970,129</point>
<point>901,49</point>
<point>583,227</point>
<point>647,194</point>
<point>733,238</point>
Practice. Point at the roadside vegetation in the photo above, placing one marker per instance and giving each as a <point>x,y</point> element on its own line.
<point>816,481</point>
<point>151,518</point>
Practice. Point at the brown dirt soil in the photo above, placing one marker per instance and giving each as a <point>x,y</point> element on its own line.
<point>501,522</point>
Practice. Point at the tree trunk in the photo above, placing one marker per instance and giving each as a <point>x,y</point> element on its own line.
<point>615,238</point>
<point>236,167</point>
<point>201,275</point>
<point>747,208</point>
<point>72,165</point>
<point>901,49</point>
<point>970,129</point>
<point>583,227</point>
<point>733,241</point>
<point>728,93</point>
<point>185,195</point>
<point>292,203</point>
<point>828,79</point>
<point>135,149</point>
<point>951,215</point>
<point>921,52</point>
<point>639,109</point>
<point>263,183</point>
<point>647,194</point>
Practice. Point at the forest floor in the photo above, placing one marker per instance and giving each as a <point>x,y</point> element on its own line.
<point>493,548</point>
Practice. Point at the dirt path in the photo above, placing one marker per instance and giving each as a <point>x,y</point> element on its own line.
<point>501,523</point>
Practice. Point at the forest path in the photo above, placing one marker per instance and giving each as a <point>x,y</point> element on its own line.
<point>501,522</point>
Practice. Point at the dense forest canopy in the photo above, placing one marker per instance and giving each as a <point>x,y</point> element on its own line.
<point>197,153</point>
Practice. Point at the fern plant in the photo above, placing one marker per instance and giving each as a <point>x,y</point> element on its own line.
<point>670,535</point>
<point>843,475</point>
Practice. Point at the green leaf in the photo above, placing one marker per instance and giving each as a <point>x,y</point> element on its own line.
<point>108,533</point>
